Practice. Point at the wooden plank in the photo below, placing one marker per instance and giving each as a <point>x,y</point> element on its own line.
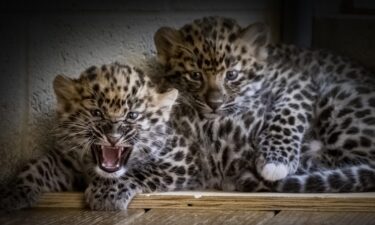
<point>69,217</point>
<point>235,201</point>
<point>202,217</point>
<point>318,218</point>
<point>62,200</point>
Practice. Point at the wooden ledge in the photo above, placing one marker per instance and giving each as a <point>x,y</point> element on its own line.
<point>229,201</point>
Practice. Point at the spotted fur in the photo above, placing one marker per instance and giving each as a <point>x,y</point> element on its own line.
<point>280,101</point>
<point>113,139</point>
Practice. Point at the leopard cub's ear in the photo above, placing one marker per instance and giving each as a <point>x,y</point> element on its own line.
<point>64,88</point>
<point>257,37</point>
<point>167,41</point>
<point>166,98</point>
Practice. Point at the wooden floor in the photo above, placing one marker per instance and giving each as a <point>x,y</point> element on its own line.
<point>205,208</point>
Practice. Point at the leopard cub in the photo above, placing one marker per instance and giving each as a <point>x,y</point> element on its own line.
<point>113,139</point>
<point>307,115</point>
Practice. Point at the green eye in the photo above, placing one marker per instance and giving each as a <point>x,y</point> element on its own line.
<point>132,115</point>
<point>197,76</point>
<point>96,113</point>
<point>231,75</point>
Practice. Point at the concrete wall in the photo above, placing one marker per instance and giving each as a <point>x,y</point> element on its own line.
<point>39,41</point>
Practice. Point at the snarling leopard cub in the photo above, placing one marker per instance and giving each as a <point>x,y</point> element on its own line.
<point>113,136</point>
<point>304,101</point>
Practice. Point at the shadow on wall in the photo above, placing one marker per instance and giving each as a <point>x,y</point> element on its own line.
<point>351,36</point>
<point>13,161</point>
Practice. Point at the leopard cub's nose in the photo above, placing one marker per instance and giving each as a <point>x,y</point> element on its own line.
<point>214,105</point>
<point>214,100</point>
<point>113,139</point>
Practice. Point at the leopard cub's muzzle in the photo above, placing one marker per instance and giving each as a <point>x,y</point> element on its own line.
<point>113,153</point>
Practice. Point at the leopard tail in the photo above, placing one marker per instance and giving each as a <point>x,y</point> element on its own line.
<point>360,178</point>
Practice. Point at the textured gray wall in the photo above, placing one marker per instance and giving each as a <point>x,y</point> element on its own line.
<point>39,41</point>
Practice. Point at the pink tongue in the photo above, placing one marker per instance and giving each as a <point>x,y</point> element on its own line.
<point>111,156</point>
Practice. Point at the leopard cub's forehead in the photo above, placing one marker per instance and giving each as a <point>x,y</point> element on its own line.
<point>113,79</point>
<point>212,27</point>
<point>112,87</point>
<point>212,42</point>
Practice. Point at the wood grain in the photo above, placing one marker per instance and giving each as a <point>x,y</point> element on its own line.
<point>319,218</point>
<point>232,201</point>
<point>69,217</point>
<point>62,200</point>
<point>201,217</point>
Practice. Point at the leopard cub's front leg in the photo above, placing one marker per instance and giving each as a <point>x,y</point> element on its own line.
<point>280,143</point>
<point>276,160</point>
<point>111,194</point>
<point>117,193</point>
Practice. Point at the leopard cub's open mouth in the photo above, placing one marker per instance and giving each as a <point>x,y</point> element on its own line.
<point>111,158</point>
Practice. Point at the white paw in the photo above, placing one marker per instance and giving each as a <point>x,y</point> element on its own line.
<point>273,172</point>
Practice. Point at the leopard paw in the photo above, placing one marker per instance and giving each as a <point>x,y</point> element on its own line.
<point>274,172</point>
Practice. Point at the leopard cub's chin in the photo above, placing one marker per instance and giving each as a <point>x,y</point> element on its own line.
<point>120,172</point>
